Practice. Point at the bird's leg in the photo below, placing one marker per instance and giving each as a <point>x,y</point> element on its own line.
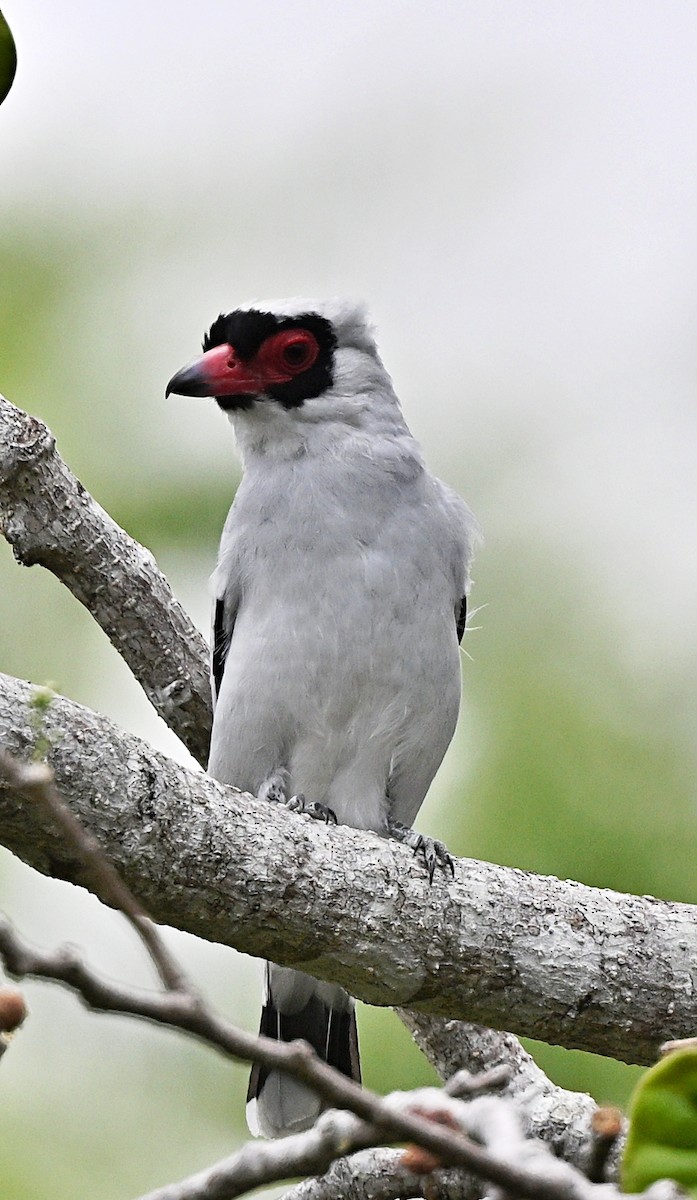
<point>275,789</point>
<point>434,853</point>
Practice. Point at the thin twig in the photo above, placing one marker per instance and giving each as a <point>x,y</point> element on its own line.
<point>36,781</point>
<point>607,1126</point>
<point>391,1118</point>
<point>310,1153</point>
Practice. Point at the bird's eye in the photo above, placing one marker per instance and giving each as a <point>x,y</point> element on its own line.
<point>299,353</point>
<point>286,354</point>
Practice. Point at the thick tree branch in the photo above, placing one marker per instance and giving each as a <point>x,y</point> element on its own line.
<point>49,518</point>
<point>555,960</point>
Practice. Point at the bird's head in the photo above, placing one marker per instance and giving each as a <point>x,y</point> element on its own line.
<point>289,351</point>
<point>296,377</point>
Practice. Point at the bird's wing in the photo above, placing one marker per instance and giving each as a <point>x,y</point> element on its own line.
<point>460,533</point>
<point>461,618</point>
<point>223,625</point>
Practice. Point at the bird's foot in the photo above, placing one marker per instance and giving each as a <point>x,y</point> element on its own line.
<point>430,850</point>
<point>275,789</point>
<point>319,812</point>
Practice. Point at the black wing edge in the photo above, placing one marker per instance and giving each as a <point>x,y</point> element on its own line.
<point>221,645</point>
<point>461,618</point>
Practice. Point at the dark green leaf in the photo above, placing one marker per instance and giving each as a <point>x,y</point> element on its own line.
<point>8,58</point>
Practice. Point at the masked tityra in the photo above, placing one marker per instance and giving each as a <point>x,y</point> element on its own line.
<point>340,600</point>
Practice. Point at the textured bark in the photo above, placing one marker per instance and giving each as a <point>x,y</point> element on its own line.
<point>555,960</point>
<point>379,1175</point>
<point>49,518</point>
<point>559,1117</point>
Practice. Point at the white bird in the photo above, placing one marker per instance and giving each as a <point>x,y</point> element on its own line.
<point>340,601</point>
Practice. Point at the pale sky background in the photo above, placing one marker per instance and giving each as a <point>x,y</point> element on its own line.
<point>511,186</point>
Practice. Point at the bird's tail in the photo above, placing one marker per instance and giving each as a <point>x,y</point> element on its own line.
<point>298,1006</point>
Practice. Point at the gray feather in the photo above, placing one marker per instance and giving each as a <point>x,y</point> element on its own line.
<point>342,570</point>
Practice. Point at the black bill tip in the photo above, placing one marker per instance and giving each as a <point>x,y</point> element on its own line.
<point>190,381</point>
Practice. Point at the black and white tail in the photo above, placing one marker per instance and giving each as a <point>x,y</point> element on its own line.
<point>298,1006</point>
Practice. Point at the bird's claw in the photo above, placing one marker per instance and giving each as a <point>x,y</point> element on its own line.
<point>319,812</point>
<point>435,854</point>
<point>432,852</point>
<point>275,789</point>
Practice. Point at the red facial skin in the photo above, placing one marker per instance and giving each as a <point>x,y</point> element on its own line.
<point>221,372</point>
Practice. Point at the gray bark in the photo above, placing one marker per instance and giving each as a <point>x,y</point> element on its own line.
<point>49,518</point>
<point>552,959</point>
